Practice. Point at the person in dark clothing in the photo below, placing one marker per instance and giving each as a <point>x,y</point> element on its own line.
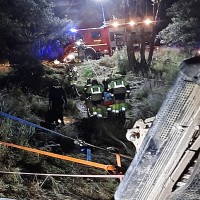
<point>57,99</point>
<point>81,50</point>
<point>105,83</point>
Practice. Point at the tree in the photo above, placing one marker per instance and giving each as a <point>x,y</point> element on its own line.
<point>140,8</point>
<point>25,25</point>
<point>184,29</point>
<point>135,9</point>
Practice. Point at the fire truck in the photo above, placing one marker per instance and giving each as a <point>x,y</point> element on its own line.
<point>104,40</point>
<point>98,42</point>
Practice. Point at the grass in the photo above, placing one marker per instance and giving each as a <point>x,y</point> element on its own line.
<point>88,72</point>
<point>146,102</point>
<point>166,63</point>
<point>119,61</point>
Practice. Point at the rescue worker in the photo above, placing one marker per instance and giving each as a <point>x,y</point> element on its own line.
<point>81,50</point>
<point>119,88</point>
<point>96,92</point>
<point>95,95</point>
<point>105,83</point>
<point>57,99</point>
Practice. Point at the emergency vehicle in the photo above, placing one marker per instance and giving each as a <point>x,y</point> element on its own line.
<point>104,40</point>
<point>98,43</point>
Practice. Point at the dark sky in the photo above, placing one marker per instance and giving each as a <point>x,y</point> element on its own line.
<point>88,13</point>
<point>82,11</point>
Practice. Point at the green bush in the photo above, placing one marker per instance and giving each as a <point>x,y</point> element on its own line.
<point>119,59</point>
<point>39,105</point>
<point>28,75</point>
<point>88,72</point>
<point>149,99</point>
<point>166,63</point>
<point>71,107</point>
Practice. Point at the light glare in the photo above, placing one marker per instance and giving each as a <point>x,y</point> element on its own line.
<point>73,30</point>
<point>147,21</point>
<point>132,23</point>
<point>115,24</point>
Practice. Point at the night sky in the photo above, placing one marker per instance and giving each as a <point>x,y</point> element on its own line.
<point>82,12</point>
<point>88,13</point>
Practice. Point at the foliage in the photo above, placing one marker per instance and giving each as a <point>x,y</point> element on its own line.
<point>71,107</point>
<point>118,60</point>
<point>88,71</point>
<point>28,75</point>
<point>25,25</point>
<point>18,133</point>
<point>122,61</point>
<point>109,61</point>
<point>184,28</point>
<point>15,101</point>
<point>39,105</point>
<point>149,99</point>
<point>166,63</point>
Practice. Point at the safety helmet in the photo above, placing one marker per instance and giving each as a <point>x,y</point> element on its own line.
<point>94,82</point>
<point>117,76</point>
<point>88,81</point>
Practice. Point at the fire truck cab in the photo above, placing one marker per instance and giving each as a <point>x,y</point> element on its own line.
<point>97,41</point>
<point>100,41</point>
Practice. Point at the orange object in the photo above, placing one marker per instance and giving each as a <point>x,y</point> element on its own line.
<point>118,158</point>
<point>76,160</point>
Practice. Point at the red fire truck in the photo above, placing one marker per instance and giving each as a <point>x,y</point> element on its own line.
<point>99,41</point>
<point>104,40</point>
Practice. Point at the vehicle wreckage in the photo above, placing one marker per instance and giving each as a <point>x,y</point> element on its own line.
<point>167,162</point>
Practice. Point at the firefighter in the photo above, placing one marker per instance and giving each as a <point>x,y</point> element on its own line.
<point>118,87</point>
<point>96,92</point>
<point>57,99</point>
<point>95,95</point>
<point>81,50</point>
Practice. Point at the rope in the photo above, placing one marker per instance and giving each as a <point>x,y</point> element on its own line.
<point>80,142</point>
<point>32,124</point>
<point>64,175</point>
<point>122,155</point>
<point>62,157</point>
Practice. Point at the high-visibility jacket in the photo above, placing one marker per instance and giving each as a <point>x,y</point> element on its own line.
<point>117,86</point>
<point>96,92</point>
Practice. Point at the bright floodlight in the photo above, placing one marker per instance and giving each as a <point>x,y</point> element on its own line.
<point>56,62</point>
<point>115,24</point>
<point>132,23</point>
<point>73,30</point>
<point>78,43</point>
<point>147,21</point>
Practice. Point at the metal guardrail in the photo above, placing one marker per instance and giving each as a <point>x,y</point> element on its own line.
<point>166,146</point>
